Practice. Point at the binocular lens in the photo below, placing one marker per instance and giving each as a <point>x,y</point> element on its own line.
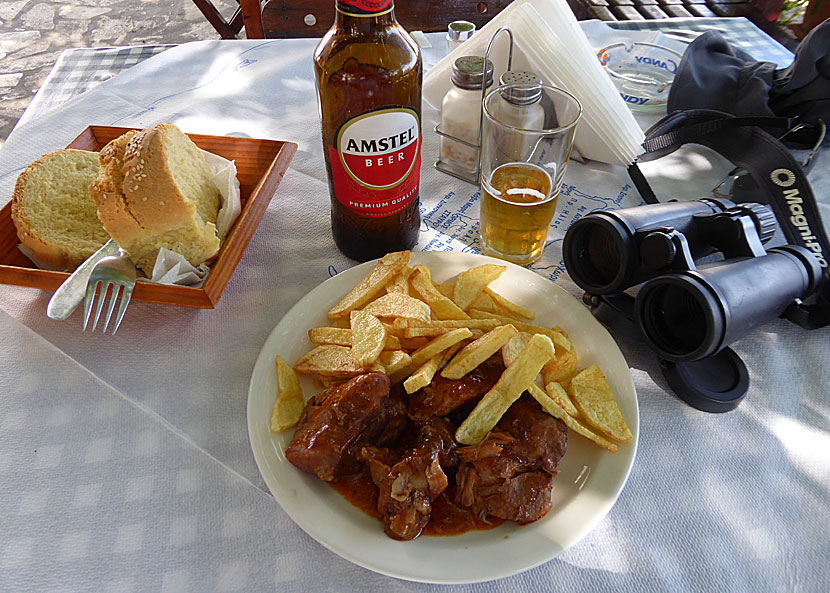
<point>674,320</point>
<point>602,256</point>
<point>594,254</point>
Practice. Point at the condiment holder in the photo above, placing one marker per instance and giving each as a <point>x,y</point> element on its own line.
<point>460,151</point>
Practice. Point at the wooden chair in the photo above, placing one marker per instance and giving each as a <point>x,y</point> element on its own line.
<point>312,18</point>
<point>227,29</point>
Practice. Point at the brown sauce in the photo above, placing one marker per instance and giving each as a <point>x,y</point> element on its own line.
<point>360,490</point>
<point>446,518</point>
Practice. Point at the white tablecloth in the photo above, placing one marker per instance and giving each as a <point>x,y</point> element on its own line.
<point>125,463</point>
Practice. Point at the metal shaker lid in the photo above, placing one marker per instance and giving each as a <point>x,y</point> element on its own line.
<point>460,30</point>
<point>466,72</point>
<point>528,89</point>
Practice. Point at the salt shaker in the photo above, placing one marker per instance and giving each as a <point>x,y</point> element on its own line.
<point>458,32</point>
<point>461,112</point>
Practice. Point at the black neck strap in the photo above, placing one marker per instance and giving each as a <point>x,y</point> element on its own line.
<point>772,167</point>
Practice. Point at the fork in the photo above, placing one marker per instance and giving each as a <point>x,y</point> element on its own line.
<point>116,272</point>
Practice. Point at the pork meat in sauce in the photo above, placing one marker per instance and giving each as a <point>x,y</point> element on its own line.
<point>408,485</point>
<point>356,412</point>
<point>510,473</point>
<point>444,396</point>
<point>413,458</point>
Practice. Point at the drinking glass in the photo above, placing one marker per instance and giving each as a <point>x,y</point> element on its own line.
<point>526,140</point>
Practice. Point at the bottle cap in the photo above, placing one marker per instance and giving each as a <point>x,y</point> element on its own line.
<point>466,72</point>
<point>528,89</point>
<point>460,30</point>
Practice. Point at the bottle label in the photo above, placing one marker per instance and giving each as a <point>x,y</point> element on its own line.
<point>376,161</point>
<point>364,7</point>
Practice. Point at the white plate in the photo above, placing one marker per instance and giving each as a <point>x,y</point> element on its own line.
<point>589,480</point>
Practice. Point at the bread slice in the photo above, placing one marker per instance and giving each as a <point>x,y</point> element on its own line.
<point>52,210</point>
<point>155,190</point>
<point>108,197</point>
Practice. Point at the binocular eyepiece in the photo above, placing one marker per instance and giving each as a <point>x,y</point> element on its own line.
<point>689,311</point>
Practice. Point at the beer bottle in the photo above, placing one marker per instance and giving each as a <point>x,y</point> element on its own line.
<point>368,72</point>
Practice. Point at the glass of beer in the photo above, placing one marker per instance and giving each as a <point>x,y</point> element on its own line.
<point>526,139</point>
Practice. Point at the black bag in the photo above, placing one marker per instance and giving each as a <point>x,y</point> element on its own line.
<point>714,75</point>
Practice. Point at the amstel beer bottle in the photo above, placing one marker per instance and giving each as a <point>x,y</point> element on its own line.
<point>369,72</point>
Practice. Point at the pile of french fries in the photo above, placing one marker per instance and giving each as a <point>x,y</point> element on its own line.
<point>398,321</point>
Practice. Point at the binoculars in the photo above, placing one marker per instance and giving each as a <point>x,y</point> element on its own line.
<point>689,311</point>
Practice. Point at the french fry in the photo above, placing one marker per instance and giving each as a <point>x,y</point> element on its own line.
<point>471,283</point>
<point>509,306</point>
<point>372,285</point>
<point>440,344</point>
<point>559,339</point>
<point>341,323</point>
<point>368,337</point>
<point>423,376</point>
<point>343,337</point>
<point>482,324</point>
<point>441,306</point>
<point>398,325</point>
<point>555,410</point>
<point>424,332</point>
<point>558,395</point>
<point>595,401</point>
<point>484,303</point>
<point>513,382</point>
<point>399,283</point>
<point>396,304</point>
<point>335,336</point>
<point>394,360</point>
<point>447,288</point>
<point>402,323</point>
<point>514,347</point>
<point>289,404</point>
<point>326,382</point>
<point>330,361</point>
<point>561,367</point>
<point>475,353</point>
<point>411,344</point>
<point>430,349</point>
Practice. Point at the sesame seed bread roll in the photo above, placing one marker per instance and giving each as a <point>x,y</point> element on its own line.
<point>155,190</point>
<point>108,197</point>
<point>52,210</point>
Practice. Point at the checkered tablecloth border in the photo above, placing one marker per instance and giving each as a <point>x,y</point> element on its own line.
<point>80,69</point>
<point>738,31</point>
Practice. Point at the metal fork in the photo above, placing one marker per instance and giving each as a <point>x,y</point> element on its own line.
<point>116,272</point>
